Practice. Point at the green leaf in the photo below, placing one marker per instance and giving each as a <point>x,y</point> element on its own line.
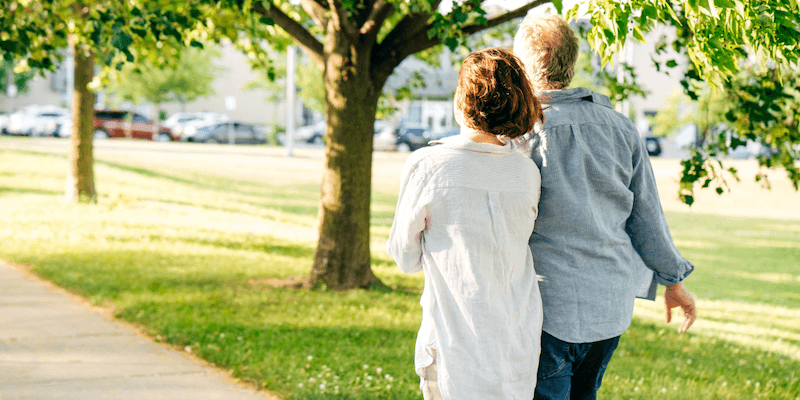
<point>266,21</point>
<point>451,43</point>
<point>672,63</point>
<point>558,5</point>
<point>637,34</point>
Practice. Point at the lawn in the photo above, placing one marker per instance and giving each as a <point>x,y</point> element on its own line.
<point>189,255</point>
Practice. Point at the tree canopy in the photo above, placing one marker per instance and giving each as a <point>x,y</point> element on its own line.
<point>190,76</point>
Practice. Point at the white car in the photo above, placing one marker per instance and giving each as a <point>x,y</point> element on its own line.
<point>3,123</point>
<point>37,121</point>
<point>185,125</point>
<point>311,133</point>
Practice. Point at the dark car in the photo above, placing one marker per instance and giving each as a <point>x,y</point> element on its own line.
<point>225,132</point>
<point>653,145</point>
<point>405,139</point>
<point>126,124</point>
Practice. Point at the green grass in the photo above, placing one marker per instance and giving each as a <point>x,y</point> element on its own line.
<point>185,255</point>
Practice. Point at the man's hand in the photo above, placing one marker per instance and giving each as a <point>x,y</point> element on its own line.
<point>677,295</point>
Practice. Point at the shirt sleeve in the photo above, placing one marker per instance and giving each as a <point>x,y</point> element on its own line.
<point>647,226</point>
<point>410,219</point>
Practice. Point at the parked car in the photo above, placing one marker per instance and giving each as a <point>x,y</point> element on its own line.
<point>184,125</point>
<point>223,132</point>
<point>36,121</point>
<point>311,133</point>
<point>126,124</point>
<point>653,145</point>
<point>3,123</point>
<point>404,139</point>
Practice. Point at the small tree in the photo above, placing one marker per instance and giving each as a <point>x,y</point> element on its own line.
<point>8,76</point>
<point>187,78</point>
<point>36,32</point>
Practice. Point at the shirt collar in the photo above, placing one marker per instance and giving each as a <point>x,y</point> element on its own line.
<point>462,142</point>
<point>574,94</point>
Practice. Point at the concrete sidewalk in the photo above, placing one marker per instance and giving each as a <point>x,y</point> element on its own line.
<point>52,346</point>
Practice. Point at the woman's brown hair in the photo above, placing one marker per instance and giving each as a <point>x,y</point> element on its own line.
<point>494,94</point>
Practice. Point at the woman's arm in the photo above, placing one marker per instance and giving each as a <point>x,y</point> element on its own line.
<point>410,219</point>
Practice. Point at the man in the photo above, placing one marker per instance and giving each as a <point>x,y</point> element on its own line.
<point>600,220</point>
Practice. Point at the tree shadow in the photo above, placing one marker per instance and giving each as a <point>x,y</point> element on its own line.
<point>10,191</point>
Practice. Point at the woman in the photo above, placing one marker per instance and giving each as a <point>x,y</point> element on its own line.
<point>464,215</point>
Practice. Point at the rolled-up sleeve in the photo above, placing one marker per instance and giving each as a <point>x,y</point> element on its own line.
<point>410,219</point>
<point>647,226</point>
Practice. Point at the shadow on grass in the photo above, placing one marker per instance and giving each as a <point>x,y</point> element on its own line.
<point>10,191</point>
<point>263,244</point>
<point>110,274</point>
<point>286,199</point>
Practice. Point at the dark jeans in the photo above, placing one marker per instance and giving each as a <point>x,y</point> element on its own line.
<point>572,371</point>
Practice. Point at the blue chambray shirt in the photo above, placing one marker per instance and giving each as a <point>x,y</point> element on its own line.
<point>601,237</point>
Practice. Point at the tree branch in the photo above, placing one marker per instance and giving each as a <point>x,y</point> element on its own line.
<point>410,36</point>
<point>340,19</point>
<point>381,10</point>
<point>502,18</point>
<point>317,12</point>
<point>301,35</point>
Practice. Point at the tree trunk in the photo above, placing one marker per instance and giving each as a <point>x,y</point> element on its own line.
<point>342,259</point>
<point>80,180</point>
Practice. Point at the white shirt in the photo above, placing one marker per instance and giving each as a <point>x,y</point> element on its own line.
<point>464,216</point>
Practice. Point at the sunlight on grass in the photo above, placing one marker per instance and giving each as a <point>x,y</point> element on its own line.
<point>769,328</point>
<point>769,277</point>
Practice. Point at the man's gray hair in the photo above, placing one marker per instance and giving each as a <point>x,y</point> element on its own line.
<point>549,49</point>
